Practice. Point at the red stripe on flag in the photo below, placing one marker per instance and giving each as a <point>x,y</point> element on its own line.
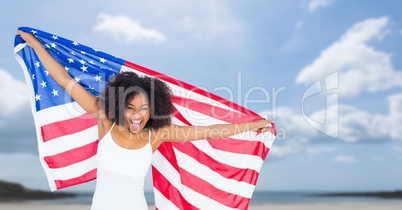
<point>213,111</point>
<point>230,172</point>
<point>180,117</point>
<point>66,127</point>
<point>89,176</point>
<point>72,156</point>
<point>203,187</point>
<point>169,191</point>
<point>256,148</point>
<point>195,183</point>
<point>190,88</point>
<point>163,185</point>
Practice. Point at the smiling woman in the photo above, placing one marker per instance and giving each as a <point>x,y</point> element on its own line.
<point>127,97</point>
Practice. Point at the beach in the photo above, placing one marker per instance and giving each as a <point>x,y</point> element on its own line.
<point>279,206</point>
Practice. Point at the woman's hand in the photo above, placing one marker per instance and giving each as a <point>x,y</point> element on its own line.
<point>29,38</point>
<point>263,126</point>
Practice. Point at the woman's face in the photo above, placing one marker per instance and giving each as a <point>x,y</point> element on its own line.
<point>137,113</point>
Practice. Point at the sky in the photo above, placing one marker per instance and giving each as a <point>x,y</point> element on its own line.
<point>327,72</point>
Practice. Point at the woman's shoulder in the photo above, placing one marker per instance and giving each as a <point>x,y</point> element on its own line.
<point>104,125</point>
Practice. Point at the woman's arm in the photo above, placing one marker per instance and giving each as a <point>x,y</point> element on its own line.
<point>85,99</point>
<point>176,133</point>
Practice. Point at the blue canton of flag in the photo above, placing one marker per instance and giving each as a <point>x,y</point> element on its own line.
<point>90,67</point>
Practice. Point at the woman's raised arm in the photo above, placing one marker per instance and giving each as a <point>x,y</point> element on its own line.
<point>85,99</point>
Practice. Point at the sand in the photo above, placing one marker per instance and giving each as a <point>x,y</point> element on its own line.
<point>299,206</point>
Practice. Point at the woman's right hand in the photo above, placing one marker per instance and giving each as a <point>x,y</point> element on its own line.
<point>29,38</point>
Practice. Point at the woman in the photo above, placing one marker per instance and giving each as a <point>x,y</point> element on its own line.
<point>133,115</point>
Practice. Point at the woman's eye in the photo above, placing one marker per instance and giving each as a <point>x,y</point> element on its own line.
<point>144,109</point>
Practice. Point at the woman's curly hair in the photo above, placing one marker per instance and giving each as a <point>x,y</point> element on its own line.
<point>125,86</point>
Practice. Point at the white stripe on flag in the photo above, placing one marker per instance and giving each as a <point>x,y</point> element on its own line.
<point>193,197</point>
<point>161,202</point>
<point>59,113</point>
<point>71,141</point>
<point>229,185</point>
<point>76,169</point>
<point>233,159</point>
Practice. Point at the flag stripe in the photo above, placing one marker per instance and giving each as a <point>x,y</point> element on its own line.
<point>162,201</point>
<point>72,156</point>
<point>75,170</point>
<point>167,189</point>
<point>207,189</point>
<point>64,127</point>
<point>215,112</point>
<point>191,88</point>
<point>89,176</point>
<point>233,159</point>
<point>59,113</point>
<point>234,186</point>
<point>255,148</point>
<point>173,178</point>
<point>69,142</point>
<point>228,171</point>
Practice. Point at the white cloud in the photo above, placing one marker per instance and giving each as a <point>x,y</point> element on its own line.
<point>124,28</point>
<point>344,159</point>
<point>357,125</point>
<point>361,68</point>
<point>353,125</point>
<point>315,4</point>
<point>13,94</point>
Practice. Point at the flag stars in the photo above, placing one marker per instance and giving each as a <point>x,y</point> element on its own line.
<point>55,37</point>
<point>97,78</point>
<point>33,76</point>
<point>82,52</point>
<point>37,97</point>
<point>84,68</point>
<point>102,60</point>
<point>47,73</point>
<point>43,84</point>
<point>34,32</point>
<point>70,60</point>
<point>55,92</point>
<point>72,53</point>
<point>66,68</point>
<point>77,79</point>
<point>91,62</point>
<point>53,45</point>
<point>82,61</point>
<point>37,64</point>
<point>75,43</point>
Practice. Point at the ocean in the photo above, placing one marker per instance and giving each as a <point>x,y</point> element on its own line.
<point>259,197</point>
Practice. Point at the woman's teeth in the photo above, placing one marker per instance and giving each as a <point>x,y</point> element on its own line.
<point>135,124</point>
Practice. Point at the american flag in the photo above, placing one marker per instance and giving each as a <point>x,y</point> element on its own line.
<point>205,174</point>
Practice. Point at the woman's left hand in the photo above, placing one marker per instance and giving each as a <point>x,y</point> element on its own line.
<point>263,126</point>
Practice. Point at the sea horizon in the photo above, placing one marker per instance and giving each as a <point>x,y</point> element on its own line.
<point>259,197</point>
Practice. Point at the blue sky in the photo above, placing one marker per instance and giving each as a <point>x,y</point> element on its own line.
<point>328,72</point>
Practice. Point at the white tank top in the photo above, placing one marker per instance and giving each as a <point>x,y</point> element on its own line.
<point>120,176</point>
